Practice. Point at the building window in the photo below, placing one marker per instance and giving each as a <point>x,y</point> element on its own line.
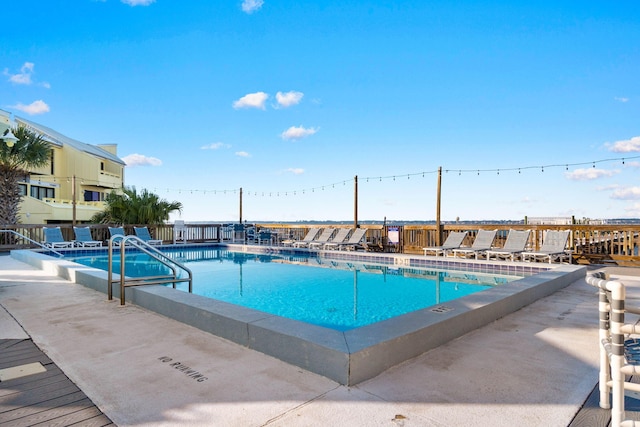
<point>92,196</point>
<point>51,162</point>
<point>102,166</point>
<point>42,192</point>
<point>23,189</point>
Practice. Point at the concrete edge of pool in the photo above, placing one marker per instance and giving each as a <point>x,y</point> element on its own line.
<point>346,357</point>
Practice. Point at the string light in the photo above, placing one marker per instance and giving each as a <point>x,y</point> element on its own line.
<point>498,171</point>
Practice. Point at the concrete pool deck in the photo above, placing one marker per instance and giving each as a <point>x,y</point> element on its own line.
<point>532,367</point>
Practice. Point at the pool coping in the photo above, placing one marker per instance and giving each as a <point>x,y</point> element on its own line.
<point>348,357</point>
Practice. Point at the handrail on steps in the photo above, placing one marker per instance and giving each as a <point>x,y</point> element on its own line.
<point>133,241</point>
<point>33,241</point>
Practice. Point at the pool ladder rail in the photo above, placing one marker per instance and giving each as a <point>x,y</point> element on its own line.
<point>134,242</point>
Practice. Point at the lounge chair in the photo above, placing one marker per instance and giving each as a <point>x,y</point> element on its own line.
<point>553,247</point>
<point>618,339</point>
<point>179,231</point>
<point>320,240</point>
<point>339,238</point>
<point>144,235</point>
<point>116,231</point>
<point>264,236</point>
<point>453,241</point>
<point>84,238</point>
<point>308,238</point>
<point>53,238</point>
<point>372,247</point>
<point>355,240</point>
<point>514,246</point>
<point>482,243</point>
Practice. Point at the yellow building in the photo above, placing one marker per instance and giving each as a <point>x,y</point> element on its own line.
<point>73,186</point>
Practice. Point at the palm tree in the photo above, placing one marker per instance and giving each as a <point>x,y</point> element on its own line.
<point>29,152</point>
<point>132,207</point>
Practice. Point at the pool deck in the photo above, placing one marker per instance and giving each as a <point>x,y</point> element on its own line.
<point>534,367</point>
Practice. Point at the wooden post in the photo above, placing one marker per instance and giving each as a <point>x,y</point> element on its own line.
<point>240,205</point>
<point>438,195</point>
<point>355,202</point>
<point>73,199</point>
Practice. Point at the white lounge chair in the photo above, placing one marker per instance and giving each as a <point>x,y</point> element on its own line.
<point>355,240</point>
<point>453,241</point>
<point>339,238</point>
<point>84,238</point>
<point>553,247</point>
<point>482,243</point>
<point>179,231</point>
<point>144,235</point>
<point>322,239</point>
<point>311,235</point>
<point>514,245</point>
<point>53,238</point>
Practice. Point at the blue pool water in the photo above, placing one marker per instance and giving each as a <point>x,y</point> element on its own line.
<point>328,293</point>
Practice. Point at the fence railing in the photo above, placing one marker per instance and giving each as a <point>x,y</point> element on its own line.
<point>617,244</point>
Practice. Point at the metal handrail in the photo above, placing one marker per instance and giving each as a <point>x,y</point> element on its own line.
<point>33,241</point>
<point>141,245</point>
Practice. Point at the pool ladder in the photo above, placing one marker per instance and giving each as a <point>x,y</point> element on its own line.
<point>134,242</point>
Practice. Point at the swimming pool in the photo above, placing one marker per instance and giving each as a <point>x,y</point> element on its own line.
<point>334,294</point>
<point>350,356</point>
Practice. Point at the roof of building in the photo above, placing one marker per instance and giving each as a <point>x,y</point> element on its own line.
<point>59,139</point>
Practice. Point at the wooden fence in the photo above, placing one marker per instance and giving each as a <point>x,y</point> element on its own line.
<point>614,244</point>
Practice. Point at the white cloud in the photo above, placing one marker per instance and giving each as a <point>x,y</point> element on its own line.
<point>24,77</point>
<point>289,98</point>
<point>626,146</point>
<point>296,171</point>
<point>621,99</point>
<point>36,107</point>
<point>628,193</point>
<point>133,160</point>
<point>215,146</point>
<point>633,210</point>
<point>138,2</point>
<point>588,174</point>
<point>242,154</point>
<point>298,132</point>
<point>251,100</point>
<point>250,6</point>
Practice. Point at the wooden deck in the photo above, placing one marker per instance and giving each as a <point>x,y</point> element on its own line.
<point>591,415</point>
<point>47,398</point>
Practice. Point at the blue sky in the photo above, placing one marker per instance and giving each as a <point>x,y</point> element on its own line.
<point>529,108</point>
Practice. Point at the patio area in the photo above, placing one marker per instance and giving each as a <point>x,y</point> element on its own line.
<point>534,367</point>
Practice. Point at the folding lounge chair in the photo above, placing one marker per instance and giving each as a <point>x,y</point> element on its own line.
<point>264,236</point>
<point>84,238</point>
<point>514,246</point>
<point>143,234</point>
<point>553,247</point>
<point>53,238</point>
<point>354,241</point>
<point>311,234</point>
<point>619,339</point>
<point>482,243</point>
<point>179,231</point>
<point>453,241</point>
<point>322,239</point>
<point>339,238</point>
<point>116,231</point>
